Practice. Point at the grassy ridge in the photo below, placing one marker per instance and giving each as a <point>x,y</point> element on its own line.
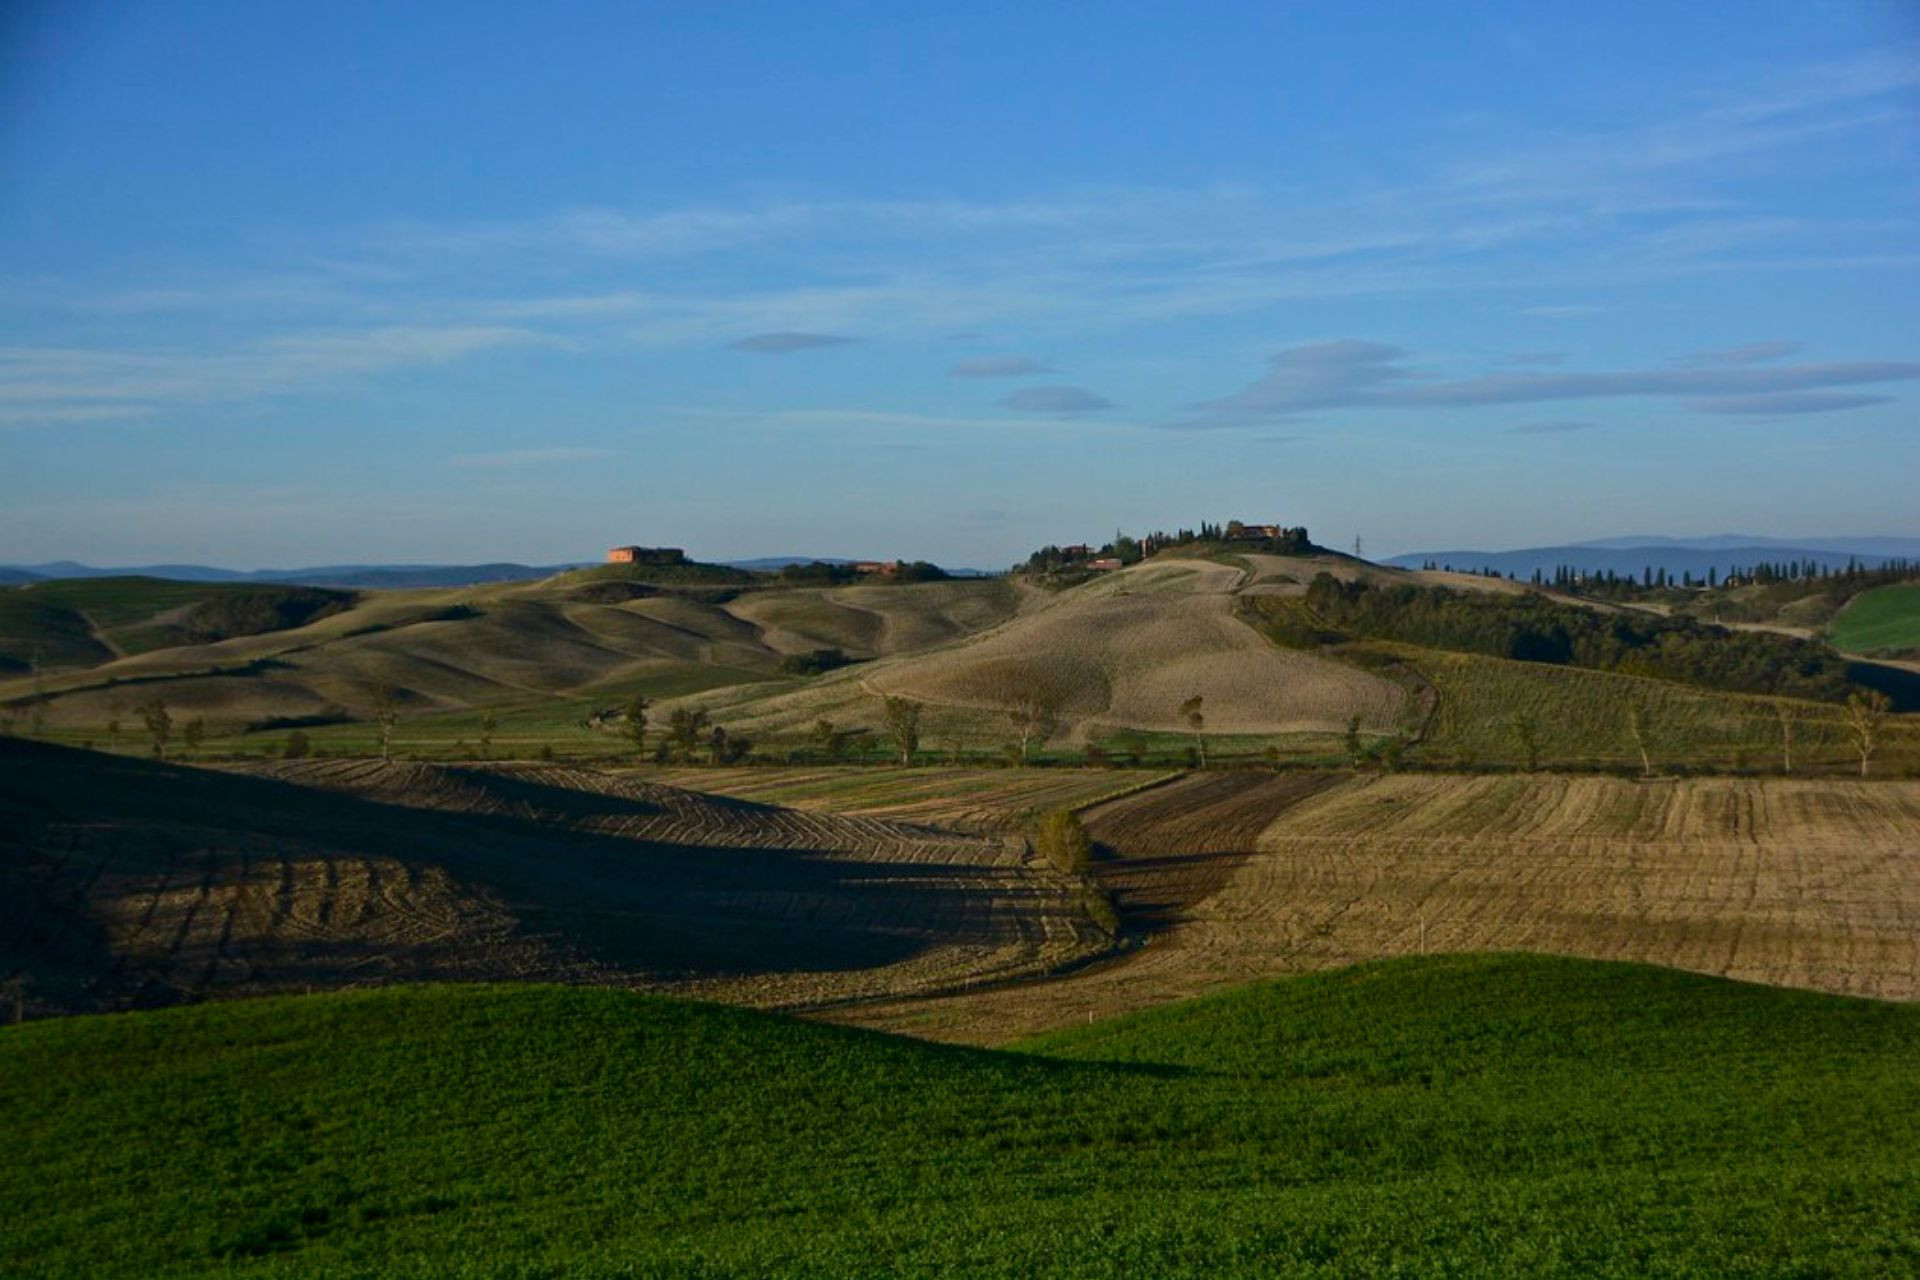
<point>1884,620</point>
<point>1492,1115</point>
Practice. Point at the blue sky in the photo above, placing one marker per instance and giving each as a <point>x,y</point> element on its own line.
<point>289,284</point>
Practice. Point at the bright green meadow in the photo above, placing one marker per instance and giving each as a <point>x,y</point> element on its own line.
<point>1492,1115</point>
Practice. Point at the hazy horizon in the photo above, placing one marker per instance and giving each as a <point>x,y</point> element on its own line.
<point>463,283</point>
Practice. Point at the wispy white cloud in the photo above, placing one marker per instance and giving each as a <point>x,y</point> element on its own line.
<point>1548,221</point>
<point>1749,353</point>
<point>1352,373</point>
<point>1055,400</point>
<point>66,383</point>
<point>1778,404</point>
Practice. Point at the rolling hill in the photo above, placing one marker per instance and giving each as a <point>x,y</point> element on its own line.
<point>545,655</point>
<point>1110,664</point>
<point>1483,1115</point>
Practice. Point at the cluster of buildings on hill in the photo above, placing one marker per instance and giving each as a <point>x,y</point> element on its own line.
<point>646,555</point>
<point>1124,550</point>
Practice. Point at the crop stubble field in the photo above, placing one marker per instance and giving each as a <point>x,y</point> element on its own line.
<point>1810,884</point>
<point>130,884</point>
<point>965,799</point>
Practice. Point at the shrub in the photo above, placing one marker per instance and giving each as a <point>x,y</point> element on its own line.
<point>1062,841</point>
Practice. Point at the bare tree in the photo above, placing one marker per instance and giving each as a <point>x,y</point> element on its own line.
<point>159,722</point>
<point>1192,711</point>
<point>903,725</point>
<point>1035,718</point>
<point>1785,715</point>
<point>1865,711</point>
<point>1637,729</point>
<point>488,723</point>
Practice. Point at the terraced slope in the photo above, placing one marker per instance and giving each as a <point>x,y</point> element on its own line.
<point>124,882</point>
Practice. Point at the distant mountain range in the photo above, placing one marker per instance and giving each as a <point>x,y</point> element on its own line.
<point>1635,554</point>
<point>361,575</point>
<point>332,575</point>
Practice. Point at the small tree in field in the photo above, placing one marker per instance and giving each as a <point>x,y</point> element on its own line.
<point>685,728</point>
<point>1035,718</point>
<point>1638,730</point>
<point>1356,750</point>
<point>633,724</point>
<point>298,746</point>
<point>159,722</point>
<point>903,726</point>
<point>488,723</point>
<point>1192,711</point>
<point>1865,711</point>
<point>193,734</point>
<point>1785,714</point>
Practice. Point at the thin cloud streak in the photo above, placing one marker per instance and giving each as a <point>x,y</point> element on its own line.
<point>1055,400</point>
<point>1353,373</point>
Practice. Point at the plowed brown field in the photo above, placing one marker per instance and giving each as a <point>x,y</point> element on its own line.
<point>1808,884</point>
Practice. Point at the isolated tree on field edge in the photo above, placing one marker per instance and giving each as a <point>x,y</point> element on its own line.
<point>1192,711</point>
<point>193,734</point>
<point>1865,711</point>
<point>488,723</point>
<point>1035,717</point>
<point>903,725</point>
<point>1785,714</point>
<point>1637,730</point>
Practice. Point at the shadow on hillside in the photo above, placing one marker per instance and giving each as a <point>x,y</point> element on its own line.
<point>1901,686</point>
<point>77,824</point>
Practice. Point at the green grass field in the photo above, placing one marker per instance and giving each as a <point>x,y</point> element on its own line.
<point>1884,620</point>
<point>1580,718</point>
<point>1468,1115</point>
